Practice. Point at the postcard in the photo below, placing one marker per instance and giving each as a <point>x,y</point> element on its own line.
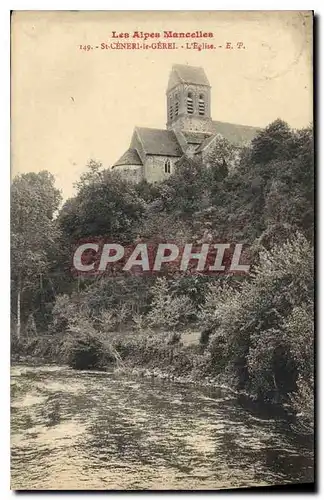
<point>162,245</point>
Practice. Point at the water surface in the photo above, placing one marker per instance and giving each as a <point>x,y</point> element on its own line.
<point>83,430</point>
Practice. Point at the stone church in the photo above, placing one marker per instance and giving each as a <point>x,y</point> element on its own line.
<point>190,129</point>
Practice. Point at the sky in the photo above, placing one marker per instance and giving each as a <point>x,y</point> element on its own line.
<point>69,105</point>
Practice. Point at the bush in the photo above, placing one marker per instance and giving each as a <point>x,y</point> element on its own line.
<point>169,311</point>
<point>40,348</point>
<point>299,335</point>
<point>86,348</point>
<point>88,353</point>
<point>263,331</point>
<point>302,401</point>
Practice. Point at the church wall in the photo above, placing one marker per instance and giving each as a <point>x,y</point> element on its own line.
<point>154,168</point>
<point>193,124</point>
<point>132,173</point>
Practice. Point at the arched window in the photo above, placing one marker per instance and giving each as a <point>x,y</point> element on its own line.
<point>190,108</point>
<point>167,167</point>
<point>201,104</point>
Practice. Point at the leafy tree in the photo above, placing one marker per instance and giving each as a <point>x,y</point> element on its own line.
<point>185,192</point>
<point>147,191</point>
<point>275,141</point>
<point>256,324</point>
<point>270,195</point>
<point>34,202</point>
<point>105,205</point>
<point>167,309</point>
<point>298,334</point>
<point>221,156</point>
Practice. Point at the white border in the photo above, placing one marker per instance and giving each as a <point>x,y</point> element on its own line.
<point>5,7</point>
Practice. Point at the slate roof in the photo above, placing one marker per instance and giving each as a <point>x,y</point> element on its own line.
<point>129,158</point>
<point>237,134</point>
<point>207,141</point>
<point>164,142</point>
<point>159,142</point>
<point>182,73</point>
<point>195,137</point>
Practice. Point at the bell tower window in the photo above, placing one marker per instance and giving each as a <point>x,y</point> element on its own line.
<point>167,167</point>
<point>170,109</point>
<point>176,106</point>
<point>190,108</point>
<point>201,105</point>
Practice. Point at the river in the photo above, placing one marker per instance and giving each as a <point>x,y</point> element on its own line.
<point>89,430</point>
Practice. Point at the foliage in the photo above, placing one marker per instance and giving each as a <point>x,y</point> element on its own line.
<point>167,310</point>
<point>221,156</point>
<point>105,205</point>
<point>34,236</point>
<point>84,349</point>
<point>264,329</point>
<point>185,192</point>
<point>270,194</point>
<point>275,141</point>
<point>34,201</point>
<point>258,332</point>
<point>192,286</point>
<point>85,343</point>
<point>299,335</point>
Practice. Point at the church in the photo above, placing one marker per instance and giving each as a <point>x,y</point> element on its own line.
<point>190,129</point>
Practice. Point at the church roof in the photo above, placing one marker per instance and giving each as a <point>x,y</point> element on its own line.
<point>182,73</point>
<point>159,142</point>
<point>129,158</point>
<point>196,137</point>
<point>236,134</point>
<point>205,143</point>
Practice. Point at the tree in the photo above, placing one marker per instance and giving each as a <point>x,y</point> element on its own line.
<point>105,205</point>
<point>270,194</point>
<point>167,309</point>
<point>275,141</point>
<point>264,326</point>
<point>221,156</point>
<point>184,193</point>
<point>289,200</point>
<point>34,201</point>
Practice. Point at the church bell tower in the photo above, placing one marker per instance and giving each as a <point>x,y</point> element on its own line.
<point>188,100</point>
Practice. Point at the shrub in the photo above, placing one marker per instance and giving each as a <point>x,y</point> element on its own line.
<point>299,335</point>
<point>88,353</point>
<point>263,331</point>
<point>85,348</point>
<point>168,310</point>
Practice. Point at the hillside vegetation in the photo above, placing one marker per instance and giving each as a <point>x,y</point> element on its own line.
<point>256,332</point>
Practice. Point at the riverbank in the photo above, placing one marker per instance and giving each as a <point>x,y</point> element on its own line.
<point>178,357</point>
<point>152,356</point>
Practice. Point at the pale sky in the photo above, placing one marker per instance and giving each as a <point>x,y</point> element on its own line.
<point>70,106</point>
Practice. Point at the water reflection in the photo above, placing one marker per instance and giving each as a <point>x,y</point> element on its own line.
<point>99,431</point>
